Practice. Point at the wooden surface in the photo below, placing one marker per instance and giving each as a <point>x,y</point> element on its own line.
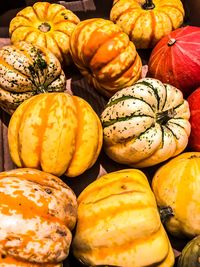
<point>77,85</point>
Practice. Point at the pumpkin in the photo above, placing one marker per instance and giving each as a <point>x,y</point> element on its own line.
<point>145,124</point>
<point>118,223</point>
<point>176,188</point>
<point>104,55</point>
<point>57,133</point>
<point>37,212</point>
<point>175,59</point>
<point>26,70</point>
<point>147,21</point>
<point>46,25</point>
<point>190,254</point>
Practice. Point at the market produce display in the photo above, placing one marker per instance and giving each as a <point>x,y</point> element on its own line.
<point>64,134</point>
<point>47,25</point>
<point>37,213</point>
<point>105,55</point>
<point>147,21</point>
<point>176,186</point>
<point>26,70</point>
<point>119,224</point>
<point>146,123</point>
<point>59,121</point>
<point>175,59</point>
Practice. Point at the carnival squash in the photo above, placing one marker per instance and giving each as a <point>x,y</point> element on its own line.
<point>46,25</point>
<point>57,133</point>
<point>146,123</point>
<point>119,225</point>
<point>147,21</point>
<point>104,55</point>
<point>175,59</point>
<point>176,186</point>
<point>190,254</point>
<point>37,213</point>
<point>26,70</point>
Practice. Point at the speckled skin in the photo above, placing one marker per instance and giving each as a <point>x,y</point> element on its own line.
<point>146,123</point>
<point>26,70</point>
<point>105,55</point>
<point>57,133</point>
<point>119,225</point>
<point>146,27</point>
<point>46,25</point>
<point>37,213</point>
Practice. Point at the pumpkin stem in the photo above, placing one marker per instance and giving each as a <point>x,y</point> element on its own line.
<point>171,42</point>
<point>41,89</point>
<point>44,27</point>
<point>148,5</point>
<point>165,213</point>
<point>163,117</point>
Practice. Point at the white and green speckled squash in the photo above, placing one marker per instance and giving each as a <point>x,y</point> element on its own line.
<point>146,124</point>
<point>26,70</point>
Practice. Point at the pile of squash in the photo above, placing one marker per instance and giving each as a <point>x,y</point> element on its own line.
<point>123,218</point>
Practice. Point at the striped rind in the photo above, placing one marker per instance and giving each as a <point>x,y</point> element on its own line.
<point>133,134</point>
<point>146,27</point>
<point>112,211</point>
<point>64,134</point>
<point>105,55</point>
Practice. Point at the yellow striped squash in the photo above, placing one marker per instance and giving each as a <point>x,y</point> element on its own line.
<point>119,225</point>
<point>56,132</point>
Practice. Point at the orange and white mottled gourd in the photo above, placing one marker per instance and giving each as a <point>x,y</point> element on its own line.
<point>146,124</point>
<point>26,70</point>
<point>37,213</point>
<point>176,186</point>
<point>147,21</point>
<point>46,25</point>
<point>118,223</point>
<point>57,133</point>
<point>105,55</point>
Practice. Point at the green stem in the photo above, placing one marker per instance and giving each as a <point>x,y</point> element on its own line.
<point>148,5</point>
<point>44,27</point>
<point>163,117</point>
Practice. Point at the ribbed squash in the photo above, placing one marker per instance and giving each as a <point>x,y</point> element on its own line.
<point>104,55</point>
<point>190,254</point>
<point>147,21</point>
<point>176,186</point>
<point>119,224</point>
<point>175,59</point>
<point>146,123</point>
<point>37,213</point>
<point>57,133</point>
<point>46,25</point>
<point>26,70</point>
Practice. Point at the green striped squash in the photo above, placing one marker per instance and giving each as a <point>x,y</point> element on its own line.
<point>191,254</point>
<point>146,124</point>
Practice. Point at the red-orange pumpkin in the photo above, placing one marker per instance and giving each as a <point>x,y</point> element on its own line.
<point>175,59</point>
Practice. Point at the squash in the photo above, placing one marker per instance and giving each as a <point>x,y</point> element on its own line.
<point>119,225</point>
<point>147,21</point>
<point>26,70</point>
<point>190,254</point>
<point>176,186</point>
<point>37,213</point>
<point>104,55</point>
<point>57,133</point>
<point>145,124</point>
<point>175,59</point>
<point>46,25</point>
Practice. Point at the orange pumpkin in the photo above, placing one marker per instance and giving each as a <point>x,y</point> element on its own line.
<point>56,132</point>
<point>105,55</point>
<point>47,25</point>
<point>147,21</point>
<point>37,213</point>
